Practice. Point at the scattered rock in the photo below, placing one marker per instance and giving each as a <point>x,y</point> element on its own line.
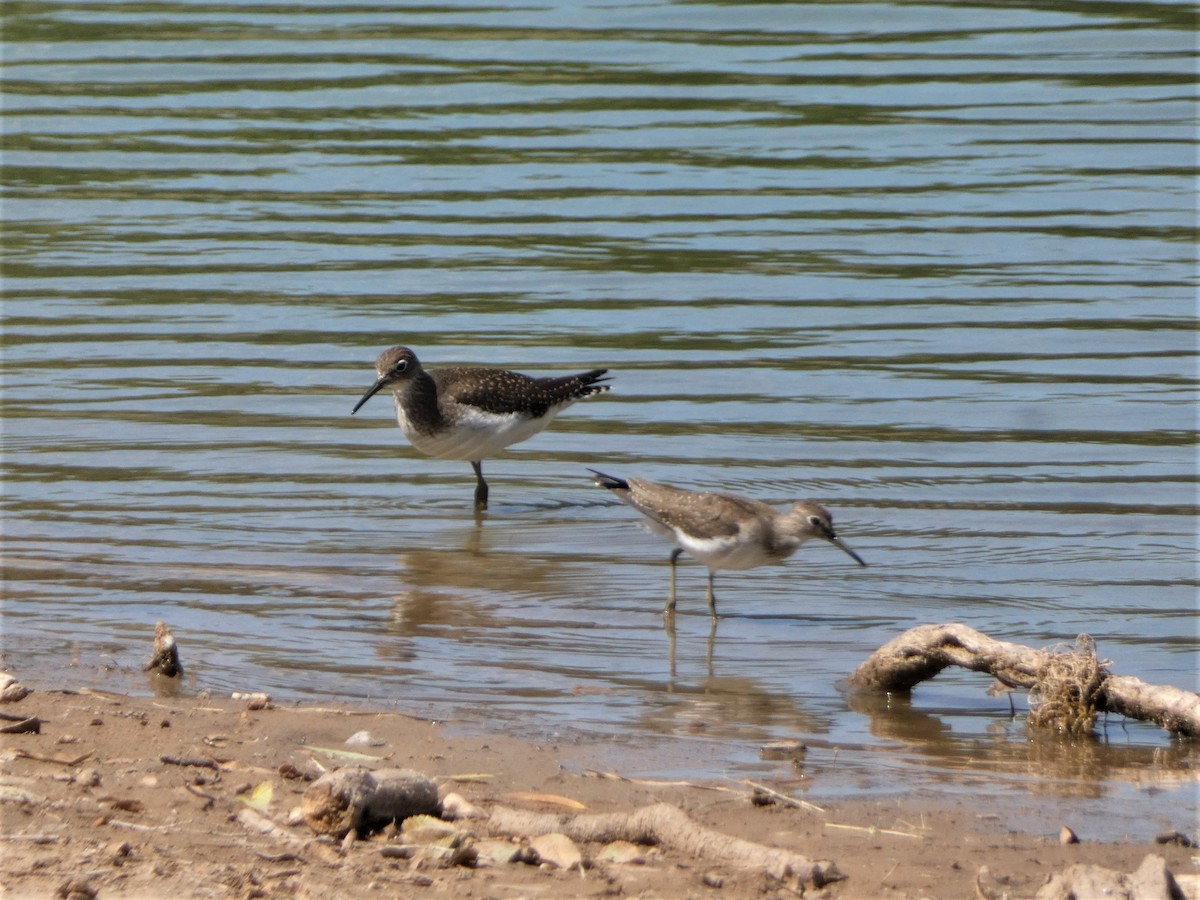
<point>88,777</point>
<point>1151,881</point>
<point>120,852</point>
<point>558,850</point>
<point>991,887</point>
<point>1067,836</point>
<point>427,830</point>
<point>622,853</point>
<point>11,690</point>
<point>712,880</point>
<point>76,889</point>
<point>363,739</point>
<point>500,853</point>
<point>254,700</point>
<point>453,849</point>
<point>125,804</point>
<point>1177,838</point>
<point>456,807</point>
<point>397,851</point>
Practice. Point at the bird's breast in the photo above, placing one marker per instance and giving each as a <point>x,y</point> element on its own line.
<point>467,432</point>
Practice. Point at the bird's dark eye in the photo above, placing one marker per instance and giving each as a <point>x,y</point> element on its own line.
<point>815,521</point>
<point>400,366</point>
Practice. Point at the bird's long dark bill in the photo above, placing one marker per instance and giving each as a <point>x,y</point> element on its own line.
<point>837,542</point>
<point>371,392</point>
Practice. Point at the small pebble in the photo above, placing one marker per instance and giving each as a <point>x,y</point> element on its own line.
<point>622,853</point>
<point>455,807</point>
<point>496,853</point>
<point>11,690</point>
<point>255,700</point>
<point>1178,838</point>
<point>288,770</point>
<point>558,850</point>
<point>363,739</point>
<point>76,889</point>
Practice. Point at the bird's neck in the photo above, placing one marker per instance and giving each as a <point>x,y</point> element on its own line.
<point>417,403</point>
<point>784,541</point>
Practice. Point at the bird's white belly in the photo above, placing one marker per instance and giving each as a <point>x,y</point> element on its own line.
<point>725,552</point>
<point>476,436</point>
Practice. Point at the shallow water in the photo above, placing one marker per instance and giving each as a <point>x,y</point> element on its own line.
<point>931,265</point>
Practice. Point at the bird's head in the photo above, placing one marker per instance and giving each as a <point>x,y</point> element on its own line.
<point>810,520</point>
<point>393,367</point>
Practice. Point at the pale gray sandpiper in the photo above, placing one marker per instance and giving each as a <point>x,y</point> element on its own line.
<point>723,531</point>
<point>473,413</point>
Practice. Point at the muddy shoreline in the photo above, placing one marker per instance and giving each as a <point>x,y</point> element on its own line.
<point>140,797</point>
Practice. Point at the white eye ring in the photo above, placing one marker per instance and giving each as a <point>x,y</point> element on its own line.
<point>815,520</point>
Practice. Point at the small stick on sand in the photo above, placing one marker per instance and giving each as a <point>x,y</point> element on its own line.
<point>783,798</point>
<point>668,826</point>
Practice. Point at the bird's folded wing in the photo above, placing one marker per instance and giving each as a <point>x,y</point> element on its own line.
<point>700,515</point>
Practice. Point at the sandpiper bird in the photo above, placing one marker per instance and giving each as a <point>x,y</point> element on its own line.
<point>723,531</point>
<point>473,413</point>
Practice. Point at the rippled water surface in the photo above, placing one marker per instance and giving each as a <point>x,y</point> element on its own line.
<point>929,264</point>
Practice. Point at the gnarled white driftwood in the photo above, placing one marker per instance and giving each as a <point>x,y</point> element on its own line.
<point>921,652</point>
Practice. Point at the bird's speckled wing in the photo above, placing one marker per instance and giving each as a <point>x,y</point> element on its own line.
<point>501,392</point>
<point>701,515</point>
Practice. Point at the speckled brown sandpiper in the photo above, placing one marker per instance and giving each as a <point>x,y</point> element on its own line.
<point>473,413</point>
<point>723,531</point>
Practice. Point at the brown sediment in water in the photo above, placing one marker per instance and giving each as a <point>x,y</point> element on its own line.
<point>194,797</point>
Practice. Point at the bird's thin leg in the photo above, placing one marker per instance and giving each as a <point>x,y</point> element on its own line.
<point>669,628</point>
<point>712,600</point>
<point>481,488</point>
<point>712,640</point>
<point>669,609</point>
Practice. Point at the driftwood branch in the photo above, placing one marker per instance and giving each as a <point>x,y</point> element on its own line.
<point>355,798</point>
<point>1073,685</point>
<point>668,826</point>
<point>1174,709</point>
